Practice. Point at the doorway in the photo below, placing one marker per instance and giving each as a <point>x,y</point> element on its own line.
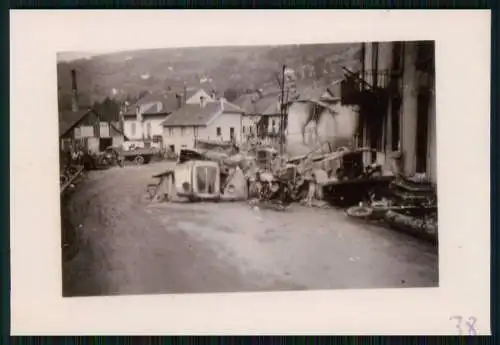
<point>422,131</point>
<point>395,114</point>
<point>104,143</point>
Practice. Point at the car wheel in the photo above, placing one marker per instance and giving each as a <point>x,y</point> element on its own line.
<point>139,160</point>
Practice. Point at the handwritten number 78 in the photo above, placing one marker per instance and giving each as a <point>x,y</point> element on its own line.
<point>470,323</point>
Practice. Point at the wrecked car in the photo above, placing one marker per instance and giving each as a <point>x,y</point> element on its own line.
<point>197,178</point>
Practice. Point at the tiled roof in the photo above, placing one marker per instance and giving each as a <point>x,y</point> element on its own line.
<point>270,105</point>
<point>231,108</point>
<point>168,101</point>
<point>195,115</point>
<point>69,119</point>
<point>251,104</point>
<point>190,92</point>
<point>267,103</point>
<point>246,102</point>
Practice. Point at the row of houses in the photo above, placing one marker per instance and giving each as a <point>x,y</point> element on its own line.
<point>388,105</point>
<point>175,120</point>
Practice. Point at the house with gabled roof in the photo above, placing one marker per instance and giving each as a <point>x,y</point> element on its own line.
<point>143,120</point>
<point>261,114</point>
<point>89,128</point>
<point>219,120</point>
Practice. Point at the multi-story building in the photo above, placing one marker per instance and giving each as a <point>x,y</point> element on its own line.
<point>395,92</point>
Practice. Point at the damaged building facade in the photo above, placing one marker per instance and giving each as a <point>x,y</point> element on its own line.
<point>395,93</point>
<point>317,119</point>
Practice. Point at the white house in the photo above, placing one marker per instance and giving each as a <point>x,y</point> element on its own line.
<point>218,120</point>
<point>143,121</point>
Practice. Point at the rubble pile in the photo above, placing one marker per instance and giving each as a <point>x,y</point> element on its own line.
<point>409,204</point>
<point>268,180</point>
<point>70,168</point>
<point>413,206</point>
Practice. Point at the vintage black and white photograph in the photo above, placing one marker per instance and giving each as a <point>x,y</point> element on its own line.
<point>248,168</point>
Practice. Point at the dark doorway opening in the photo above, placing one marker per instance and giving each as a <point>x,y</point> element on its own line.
<point>395,112</point>
<point>104,143</point>
<point>375,115</point>
<point>422,131</point>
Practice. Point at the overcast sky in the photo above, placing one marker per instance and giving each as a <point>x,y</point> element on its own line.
<point>70,56</point>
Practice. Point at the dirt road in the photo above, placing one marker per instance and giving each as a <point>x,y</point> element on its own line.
<point>127,245</point>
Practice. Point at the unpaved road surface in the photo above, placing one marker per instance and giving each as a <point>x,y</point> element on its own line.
<point>127,245</point>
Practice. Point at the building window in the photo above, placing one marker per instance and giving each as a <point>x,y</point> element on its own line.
<point>219,132</point>
<point>231,133</point>
<point>423,101</point>
<point>375,63</point>
<point>148,128</point>
<point>183,131</point>
<point>397,53</point>
<point>170,132</point>
<point>132,128</point>
<point>206,178</point>
<point>425,56</point>
<point>244,129</point>
<point>396,106</point>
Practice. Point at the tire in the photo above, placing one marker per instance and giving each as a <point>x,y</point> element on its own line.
<point>139,160</point>
<point>359,212</point>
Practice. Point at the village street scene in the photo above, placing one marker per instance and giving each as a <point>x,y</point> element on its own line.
<point>242,169</point>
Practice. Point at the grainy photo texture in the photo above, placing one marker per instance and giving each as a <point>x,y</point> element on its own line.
<point>238,169</point>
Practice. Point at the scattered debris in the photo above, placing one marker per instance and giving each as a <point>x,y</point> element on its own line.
<point>219,171</point>
<point>409,204</point>
<point>68,176</point>
<point>360,211</point>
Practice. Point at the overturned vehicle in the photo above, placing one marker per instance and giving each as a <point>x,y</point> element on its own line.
<point>208,175</point>
<point>200,176</point>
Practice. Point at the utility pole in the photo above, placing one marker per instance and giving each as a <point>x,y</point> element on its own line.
<point>282,108</point>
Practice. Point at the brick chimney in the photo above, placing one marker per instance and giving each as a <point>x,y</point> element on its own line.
<point>74,91</point>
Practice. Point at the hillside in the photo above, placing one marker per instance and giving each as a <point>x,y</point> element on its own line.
<point>126,74</point>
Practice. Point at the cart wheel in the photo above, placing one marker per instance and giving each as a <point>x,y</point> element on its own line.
<point>139,160</point>
<point>359,211</point>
